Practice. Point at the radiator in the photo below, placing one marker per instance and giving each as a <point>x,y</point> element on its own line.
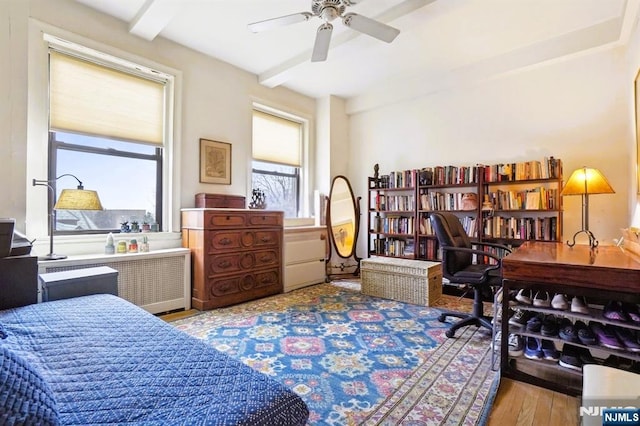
<point>157,281</point>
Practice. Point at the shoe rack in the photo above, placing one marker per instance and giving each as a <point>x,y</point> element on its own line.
<point>597,276</point>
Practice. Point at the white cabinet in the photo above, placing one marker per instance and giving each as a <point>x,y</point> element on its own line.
<point>305,252</point>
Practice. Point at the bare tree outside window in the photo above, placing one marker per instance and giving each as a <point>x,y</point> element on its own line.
<point>280,185</point>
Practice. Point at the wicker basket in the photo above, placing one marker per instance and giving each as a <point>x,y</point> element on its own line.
<point>405,280</point>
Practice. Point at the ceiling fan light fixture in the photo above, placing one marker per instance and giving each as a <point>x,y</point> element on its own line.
<point>329,13</point>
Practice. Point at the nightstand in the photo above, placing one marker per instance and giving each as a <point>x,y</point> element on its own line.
<point>18,281</point>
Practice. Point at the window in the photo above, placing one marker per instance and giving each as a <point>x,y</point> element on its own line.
<point>278,143</point>
<point>107,127</point>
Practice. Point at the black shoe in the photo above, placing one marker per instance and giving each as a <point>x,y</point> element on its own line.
<point>570,358</point>
<point>568,331</point>
<point>520,318</point>
<point>585,356</point>
<point>535,323</point>
<point>585,335</point>
<point>549,326</point>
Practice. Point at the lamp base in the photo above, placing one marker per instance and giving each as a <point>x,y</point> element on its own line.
<point>52,256</point>
<point>593,243</point>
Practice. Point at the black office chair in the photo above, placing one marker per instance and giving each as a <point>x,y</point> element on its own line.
<point>458,267</point>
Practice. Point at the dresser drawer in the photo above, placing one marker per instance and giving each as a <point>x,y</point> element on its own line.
<point>240,240</point>
<point>245,283</point>
<point>221,219</point>
<point>242,261</point>
<point>267,219</point>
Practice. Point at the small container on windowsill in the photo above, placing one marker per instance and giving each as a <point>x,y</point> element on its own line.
<point>133,246</point>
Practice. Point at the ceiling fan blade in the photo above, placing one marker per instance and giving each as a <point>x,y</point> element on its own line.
<point>321,46</point>
<point>370,27</point>
<point>279,22</point>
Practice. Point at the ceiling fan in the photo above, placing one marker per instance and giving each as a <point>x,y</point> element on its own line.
<point>328,10</point>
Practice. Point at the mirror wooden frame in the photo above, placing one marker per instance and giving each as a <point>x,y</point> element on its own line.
<point>636,97</point>
<point>343,234</point>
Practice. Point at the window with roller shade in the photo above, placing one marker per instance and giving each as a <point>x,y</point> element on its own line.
<point>107,127</point>
<point>277,160</point>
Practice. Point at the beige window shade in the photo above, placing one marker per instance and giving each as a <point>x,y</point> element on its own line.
<point>93,99</point>
<point>276,139</point>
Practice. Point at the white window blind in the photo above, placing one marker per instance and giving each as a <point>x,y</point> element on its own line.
<point>92,99</point>
<point>276,139</point>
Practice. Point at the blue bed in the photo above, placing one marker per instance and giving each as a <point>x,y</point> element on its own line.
<point>100,359</point>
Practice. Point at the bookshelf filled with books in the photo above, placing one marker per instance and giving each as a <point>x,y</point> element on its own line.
<point>450,188</point>
<point>522,202</point>
<point>506,203</point>
<point>391,214</point>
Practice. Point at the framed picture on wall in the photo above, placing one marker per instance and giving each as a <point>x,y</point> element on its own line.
<point>215,162</point>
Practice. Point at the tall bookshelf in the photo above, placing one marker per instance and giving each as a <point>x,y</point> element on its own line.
<point>392,214</point>
<point>506,203</point>
<point>523,202</point>
<point>446,188</point>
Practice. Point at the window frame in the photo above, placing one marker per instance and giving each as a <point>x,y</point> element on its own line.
<point>41,37</point>
<point>302,205</point>
<point>55,145</point>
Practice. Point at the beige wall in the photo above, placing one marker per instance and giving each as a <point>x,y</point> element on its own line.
<point>215,101</point>
<point>575,109</point>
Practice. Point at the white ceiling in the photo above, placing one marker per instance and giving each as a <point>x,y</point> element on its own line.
<point>440,41</point>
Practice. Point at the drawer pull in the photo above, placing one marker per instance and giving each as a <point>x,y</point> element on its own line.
<point>265,239</point>
<point>225,241</point>
<point>265,258</point>
<point>224,264</point>
<point>265,280</point>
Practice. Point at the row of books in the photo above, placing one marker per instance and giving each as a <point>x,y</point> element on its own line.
<point>435,200</point>
<point>532,199</point>
<point>397,179</point>
<point>428,249</point>
<point>448,175</point>
<point>548,168</point>
<point>393,247</point>
<point>528,228</point>
<point>469,223</point>
<point>393,224</point>
<point>401,203</point>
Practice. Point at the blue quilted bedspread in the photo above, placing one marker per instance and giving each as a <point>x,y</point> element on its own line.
<point>108,361</point>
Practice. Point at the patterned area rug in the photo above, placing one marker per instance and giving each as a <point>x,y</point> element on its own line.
<point>356,359</point>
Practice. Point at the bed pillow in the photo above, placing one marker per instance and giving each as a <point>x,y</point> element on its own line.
<point>25,397</point>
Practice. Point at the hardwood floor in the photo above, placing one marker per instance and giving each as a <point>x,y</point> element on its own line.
<point>521,404</point>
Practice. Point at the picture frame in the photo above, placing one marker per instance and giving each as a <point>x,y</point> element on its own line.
<point>215,162</point>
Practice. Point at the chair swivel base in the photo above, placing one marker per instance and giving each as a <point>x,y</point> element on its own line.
<point>466,319</point>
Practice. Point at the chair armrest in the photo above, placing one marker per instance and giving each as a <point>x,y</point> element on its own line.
<point>476,251</point>
<point>484,272</point>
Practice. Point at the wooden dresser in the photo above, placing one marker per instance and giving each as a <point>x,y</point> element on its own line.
<point>236,254</point>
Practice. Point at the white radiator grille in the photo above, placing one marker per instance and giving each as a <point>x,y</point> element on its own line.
<point>157,284</point>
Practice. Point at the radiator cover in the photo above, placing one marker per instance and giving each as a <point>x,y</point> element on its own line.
<point>157,281</point>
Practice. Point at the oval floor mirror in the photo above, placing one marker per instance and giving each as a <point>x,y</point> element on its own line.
<point>343,223</point>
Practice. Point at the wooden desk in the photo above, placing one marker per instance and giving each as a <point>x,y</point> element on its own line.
<point>603,274</point>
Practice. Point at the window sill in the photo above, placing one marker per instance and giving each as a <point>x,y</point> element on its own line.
<point>72,245</point>
<point>293,222</point>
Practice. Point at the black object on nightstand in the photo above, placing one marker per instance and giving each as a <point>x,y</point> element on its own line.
<point>79,282</point>
<point>18,281</point>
